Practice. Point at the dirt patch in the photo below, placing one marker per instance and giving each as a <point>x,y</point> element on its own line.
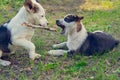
<point>62,6</point>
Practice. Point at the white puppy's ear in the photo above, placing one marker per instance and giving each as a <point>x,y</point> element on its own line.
<point>30,6</point>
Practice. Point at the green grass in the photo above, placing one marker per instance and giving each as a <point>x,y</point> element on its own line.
<point>104,67</point>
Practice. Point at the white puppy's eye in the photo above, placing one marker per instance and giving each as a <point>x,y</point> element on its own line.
<point>42,15</point>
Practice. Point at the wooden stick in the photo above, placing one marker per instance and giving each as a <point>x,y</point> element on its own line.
<point>38,26</point>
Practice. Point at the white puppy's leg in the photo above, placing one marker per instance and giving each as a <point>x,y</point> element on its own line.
<point>61,45</point>
<point>0,53</point>
<point>29,46</point>
<point>13,48</point>
<point>3,62</point>
<point>57,52</point>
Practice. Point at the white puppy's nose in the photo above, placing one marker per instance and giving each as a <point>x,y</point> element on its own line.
<point>47,23</point>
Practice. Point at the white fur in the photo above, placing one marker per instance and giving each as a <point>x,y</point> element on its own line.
<point>4,62</point>
<point>57,52</point>
<point>76,39</point>
<point>0,53</point>
<point>98,31</point>
<point>61,45</point>
<point>21,35</point>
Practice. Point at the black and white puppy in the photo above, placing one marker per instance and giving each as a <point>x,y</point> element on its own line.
<point>81,41</point>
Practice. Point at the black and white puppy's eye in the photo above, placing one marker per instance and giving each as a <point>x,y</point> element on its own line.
<point>70,18</point>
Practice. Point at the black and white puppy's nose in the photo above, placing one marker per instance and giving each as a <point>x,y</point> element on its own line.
<point>57,21</point>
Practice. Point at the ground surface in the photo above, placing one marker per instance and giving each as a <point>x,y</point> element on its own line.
<point>105,17</point>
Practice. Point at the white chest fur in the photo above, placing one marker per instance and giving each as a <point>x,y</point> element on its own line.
<point>76,39</point>
<point>16,28</point>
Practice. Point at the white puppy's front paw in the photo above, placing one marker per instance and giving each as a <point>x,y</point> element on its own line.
<point>5,63</point>
<point>57,52</point>
<point>35,56</point>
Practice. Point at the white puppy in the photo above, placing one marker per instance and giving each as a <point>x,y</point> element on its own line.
<point>32,12</point>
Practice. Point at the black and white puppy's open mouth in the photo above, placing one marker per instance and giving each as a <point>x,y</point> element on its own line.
<point>61,26</point>
<point>67,22</point>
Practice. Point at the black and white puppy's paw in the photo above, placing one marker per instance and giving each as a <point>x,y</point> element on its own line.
<point>55,46</point>
<point>57,52</point>
<point>70,53</point>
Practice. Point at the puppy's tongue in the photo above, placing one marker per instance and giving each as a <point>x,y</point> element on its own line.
<point>63,31</point>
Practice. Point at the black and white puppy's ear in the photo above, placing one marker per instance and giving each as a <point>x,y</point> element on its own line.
<point>78,18</point>
<point>30,6</point>
<point>81,17</point>
<point>79,25</point>
<point>37,0</point>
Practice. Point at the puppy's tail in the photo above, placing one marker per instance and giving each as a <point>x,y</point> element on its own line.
<point>117,42</point>
<point>57,52</point>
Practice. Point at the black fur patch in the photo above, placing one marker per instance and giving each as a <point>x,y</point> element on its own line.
<point>98,43</point>
<point>5,40</point>
<point>71,18</point>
